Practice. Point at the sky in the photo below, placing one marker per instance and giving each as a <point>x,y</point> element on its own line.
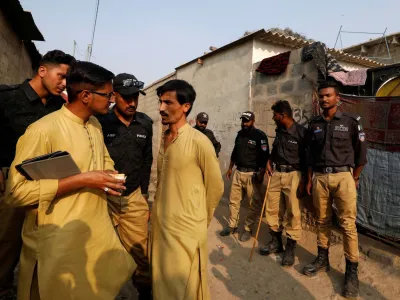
<point>150,38</point>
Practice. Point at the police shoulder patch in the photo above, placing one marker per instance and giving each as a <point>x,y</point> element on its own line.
<point>361,136</point>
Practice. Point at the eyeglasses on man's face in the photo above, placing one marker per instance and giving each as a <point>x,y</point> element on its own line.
<point>109,96</point>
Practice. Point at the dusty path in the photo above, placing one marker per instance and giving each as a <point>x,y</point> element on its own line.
<point>231,276</point>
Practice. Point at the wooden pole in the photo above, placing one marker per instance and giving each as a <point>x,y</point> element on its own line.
<point>259,222</point>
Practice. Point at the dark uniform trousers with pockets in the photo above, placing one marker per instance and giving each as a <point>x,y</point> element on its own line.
<point>336,146</point>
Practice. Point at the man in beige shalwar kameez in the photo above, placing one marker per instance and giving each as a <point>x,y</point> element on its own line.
<point>70,249</point>
<point>189,188</point>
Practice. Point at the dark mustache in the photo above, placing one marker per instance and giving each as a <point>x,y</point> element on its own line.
<point>132,107</point>
<point>163,114</point>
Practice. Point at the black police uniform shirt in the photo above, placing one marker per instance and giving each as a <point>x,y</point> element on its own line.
<point>130,147</point>
<point>208,133</point>
<point>338,142</point>
<point>251,149</point>
<point>289,147</point>
<point>20,106</point>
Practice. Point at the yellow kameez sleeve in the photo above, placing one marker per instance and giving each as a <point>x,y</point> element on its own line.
<point>108,162</point>
<point>23,192</point>
<point>213,182</point>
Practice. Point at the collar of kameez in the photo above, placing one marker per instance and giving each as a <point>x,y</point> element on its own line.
<point>180,131</point>
<point>183,128</point>
<point>71,116</point>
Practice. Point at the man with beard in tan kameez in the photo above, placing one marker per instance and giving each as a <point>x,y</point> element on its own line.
<point>189,188</point>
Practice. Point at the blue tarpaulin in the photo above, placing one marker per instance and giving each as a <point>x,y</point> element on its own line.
<point>378,202</point>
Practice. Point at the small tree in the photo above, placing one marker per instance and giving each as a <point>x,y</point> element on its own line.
<point>248,32</point>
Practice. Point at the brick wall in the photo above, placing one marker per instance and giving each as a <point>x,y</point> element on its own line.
<point>15,63</point>
<point>288,86</point>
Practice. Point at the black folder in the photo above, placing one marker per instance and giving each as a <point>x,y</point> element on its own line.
<point>54,165</point>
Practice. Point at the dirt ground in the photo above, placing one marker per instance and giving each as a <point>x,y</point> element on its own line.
<point>232,276</point>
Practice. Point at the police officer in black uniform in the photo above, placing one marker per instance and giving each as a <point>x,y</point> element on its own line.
<point>337,155</point>
<point>128,137</point>
<point>250,155</point>
<point>20,106</point>
<point>287,182</point>
<point>201,125</point>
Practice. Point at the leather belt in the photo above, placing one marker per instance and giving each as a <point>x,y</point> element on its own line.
<point>285,168</point>
<point>243,169</point>
<point>328,170</point>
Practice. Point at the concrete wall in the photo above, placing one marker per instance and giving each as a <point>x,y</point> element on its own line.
<point>15,63</point>
<point>222,86</point>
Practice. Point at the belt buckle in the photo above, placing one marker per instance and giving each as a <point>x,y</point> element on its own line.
<point>328,170</point>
